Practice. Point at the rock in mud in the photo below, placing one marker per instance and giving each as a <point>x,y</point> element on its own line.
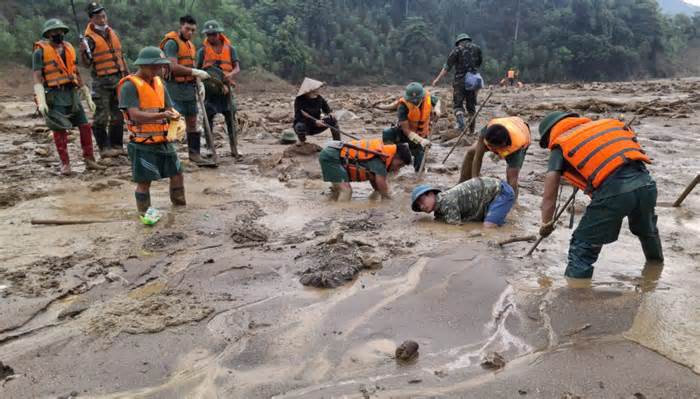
<point>5,371</point>
<point>336,262</point>
<point>160,240</point>
<point>243,233</point>
<point>493,361</point>
<point>302,149</point>
<point>39,278</point>
<point>73,309</point>
<point>407,351</point>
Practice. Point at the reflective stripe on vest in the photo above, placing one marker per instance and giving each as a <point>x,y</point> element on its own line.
<point>107,57</point>
<point>518,131</point>
<point>419,118</point>
<point>221,59</point>
<point>597,149</point>
<point>351,157</point>
<point>55,71</point>
<point>185,54</point>
<point>151,99</point>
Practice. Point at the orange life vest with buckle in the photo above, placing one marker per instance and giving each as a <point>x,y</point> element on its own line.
<point>107,57</point>
<point>595,149</point>
<point>221,59</point>
<point>511,74</point>
<point>186,52</point>
<point>151,99</point>
<point>419,117</point>
<point>518,131</point>
<point>56,72</point>
<point>352,157</point>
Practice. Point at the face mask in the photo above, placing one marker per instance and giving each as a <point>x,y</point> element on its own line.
<point>57,38</point>
<point>101,27</point>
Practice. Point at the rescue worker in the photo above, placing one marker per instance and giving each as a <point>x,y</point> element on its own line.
<point>107,67</point>
<point>361,160</point>
<point>465,57</point>
<point>184,83</point>
<point>147,109</point>
<point>310,101</point>
<point>511,75</point>
<point>604,159</point>
<point>415,111</point>
<point>481,199</point>
<point>508,138</point>
<point>219,58</point>
<point>57,87</point>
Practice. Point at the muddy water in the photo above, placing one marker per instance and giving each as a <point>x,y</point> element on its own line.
<point>194,307</point>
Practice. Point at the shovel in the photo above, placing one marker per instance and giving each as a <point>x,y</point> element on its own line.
<point>207,131</point>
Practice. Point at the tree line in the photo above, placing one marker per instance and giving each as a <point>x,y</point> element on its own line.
<point>394,41</point>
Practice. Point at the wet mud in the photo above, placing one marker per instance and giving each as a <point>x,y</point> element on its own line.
<point>263,288</point>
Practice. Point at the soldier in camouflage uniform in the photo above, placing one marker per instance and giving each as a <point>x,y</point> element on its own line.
<point>484,199</point>
<point>465,57</point>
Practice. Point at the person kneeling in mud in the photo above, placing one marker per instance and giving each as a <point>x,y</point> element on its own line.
<point>361,160</point>
<point>479,199</point>
<point>310,102</point>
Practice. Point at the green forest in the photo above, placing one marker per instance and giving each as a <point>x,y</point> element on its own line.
<point>393,41</point>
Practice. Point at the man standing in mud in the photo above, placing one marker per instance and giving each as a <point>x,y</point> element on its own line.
<point>480,199</point>
<point>185,81</point>
<point>416,109</point>
<point>102,51</point>
<point>147,110</point>
<point>465,57</point>
<point>57,87</point>
<point>604,159</point>
<point>508,138</point>
<point>361,160</point>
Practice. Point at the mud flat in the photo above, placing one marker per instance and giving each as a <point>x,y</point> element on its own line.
<point>222,299</point>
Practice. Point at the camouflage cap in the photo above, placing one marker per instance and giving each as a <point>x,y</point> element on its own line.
<point>93,8</point>
<point>288,137</point>
<point>548,123</point>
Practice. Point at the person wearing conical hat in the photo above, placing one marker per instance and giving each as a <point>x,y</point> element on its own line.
<point>101,51</point>
<point>310,101</point>
<point>219,58</point>
<point>58,88</point>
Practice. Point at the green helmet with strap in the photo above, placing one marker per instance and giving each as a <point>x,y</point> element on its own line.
<point>462,36</point>
<point>212,26</point>
<point>151,56</point>
<point>53,23</point>
<point>288,137</point>
<point>548,123</point>
<point>414,93</point>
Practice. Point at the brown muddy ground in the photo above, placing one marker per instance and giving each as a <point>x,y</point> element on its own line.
<point>208,303</point>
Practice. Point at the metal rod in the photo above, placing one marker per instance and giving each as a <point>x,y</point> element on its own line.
<point>306,114</point>
<point>556,217</point>
<point>466,128</point>
<point>207,128</point>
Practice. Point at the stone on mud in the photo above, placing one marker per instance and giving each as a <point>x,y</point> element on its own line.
<point>242,233</point>
<point>5,371</point>
<point>336,262</point>
<point>159,240</point>
<point>493,361</point>
<point>407,351</point>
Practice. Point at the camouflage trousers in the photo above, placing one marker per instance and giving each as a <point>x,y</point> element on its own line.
<point>107,113</point>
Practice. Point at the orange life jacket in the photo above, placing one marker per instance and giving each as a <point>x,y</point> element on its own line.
<point>107,58</point>
<point>518,131</point>
<point>595,149</point>
<point>151,99</point>
<point>55,71</point>
<point>352,157</point>
<point>186,52</point>
<point>511,74</point>
<point>419,117</point>
<point>221,59</point>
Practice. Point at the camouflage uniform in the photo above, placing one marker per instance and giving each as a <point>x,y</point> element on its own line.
<point>467,201</point>
<point>464,59</point>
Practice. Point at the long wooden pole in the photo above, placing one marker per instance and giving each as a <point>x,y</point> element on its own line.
<point>687,191</point>
<point>466,128</point>
<point>306,114</point>
<point>556,217</point>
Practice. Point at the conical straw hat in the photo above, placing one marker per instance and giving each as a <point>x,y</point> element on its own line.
<point>309,85</point>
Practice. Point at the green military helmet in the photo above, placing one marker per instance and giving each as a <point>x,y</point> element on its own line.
<point>414,92</point>
<point>548,123</point>
<point>462,36</point>
<point>151,56</point>
<point>288,137</point>
<point>93,8</point>
<point>212,26</point>
<point>53,23</point>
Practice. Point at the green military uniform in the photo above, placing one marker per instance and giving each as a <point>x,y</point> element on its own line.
<point>463,58</point>
<point>184,95</point>
<point>395,135</point>
<point>514,160</point>
<point>65,109</point>
<point>468,201</point>
<point>333,170</point>
<point>149,161</point>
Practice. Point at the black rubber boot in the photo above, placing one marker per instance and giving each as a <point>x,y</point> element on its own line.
<point>232,139</point>
<point>100,133</point>
<point>143,201</point>
<point>116,137</point>
<point>177,196</point>
<point>193,146</point>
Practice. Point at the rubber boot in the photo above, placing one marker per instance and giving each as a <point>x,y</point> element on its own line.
<point>232,139</point>
<point>143,201</point>
<point>116,138</point>
<point>344,194</point>
<point>100,133</point>
<point>60,138</point>
<point>177,196</point>
<point>193,146</point>
<point>651,246</point>
<point>459,115</point>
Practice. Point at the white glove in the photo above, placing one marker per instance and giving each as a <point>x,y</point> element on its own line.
<point>200,88</point>
<point>85,94</point>
<point>41,99</point>
<point>200,74</point>
<point>419,140</point>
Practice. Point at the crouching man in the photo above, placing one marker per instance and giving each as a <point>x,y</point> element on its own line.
<point>361,160</point>
<point>480,199</point>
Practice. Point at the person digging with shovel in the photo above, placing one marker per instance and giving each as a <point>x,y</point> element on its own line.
<point>309,101</point>
<point>220,59</point>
